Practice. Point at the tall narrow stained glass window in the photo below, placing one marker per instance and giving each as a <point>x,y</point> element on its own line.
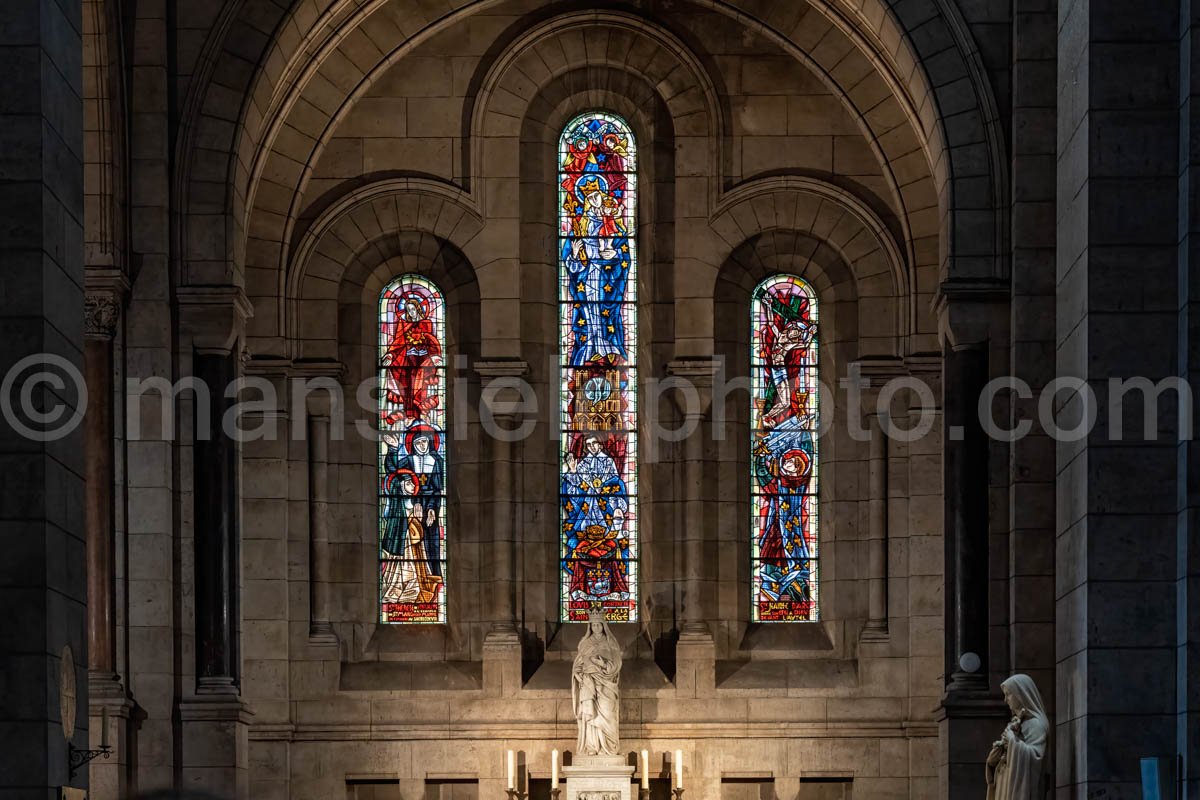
<point>597,158</point>
<point>412,452</point>
<point>784,414</point>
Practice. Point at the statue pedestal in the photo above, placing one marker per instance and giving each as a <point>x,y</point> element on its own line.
<point>599,778</point>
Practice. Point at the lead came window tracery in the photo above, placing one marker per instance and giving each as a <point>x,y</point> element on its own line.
<point>784,418</point>
<point>412,452</point>
<point>597,162</point>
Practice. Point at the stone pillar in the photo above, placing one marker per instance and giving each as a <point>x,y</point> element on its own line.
<point>967,517</point>
<point>216,531</point>
<point>500,410</point>
<point>695,622</point>
<point>41,249</point>
<point>214,721</point>
<point>1031,458</point>
<point>1120,215</point>
<point>695,652</point>
<point>102,316</point>
<point>108,778</point>
<point>320,629</point>
<point>971,712</point>
<point>877,552</point>
<point>1187,334</point>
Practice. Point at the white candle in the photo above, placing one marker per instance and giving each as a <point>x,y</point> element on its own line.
<point>678,769</point>
<point>103,727</point>
<point>512,769</point>
<point>553,769</point>
<point>645,769</point>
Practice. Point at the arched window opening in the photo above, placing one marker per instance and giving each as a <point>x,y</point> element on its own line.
<point>597,164</point>
<point>784,459</point>
<point>412,452</point>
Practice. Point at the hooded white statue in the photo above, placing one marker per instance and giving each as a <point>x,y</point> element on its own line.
<point>1016,765</point>
<point>595,674</point>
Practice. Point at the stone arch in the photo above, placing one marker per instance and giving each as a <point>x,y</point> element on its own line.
<point>940,65</point>
<point>837,220</point>
<point>503,104</point>
<point>793,251</point>
<point>395,253</point>
<point>556,101</point>
<point>367,226</point>
<point>352,331</point>
<point>502,98</point>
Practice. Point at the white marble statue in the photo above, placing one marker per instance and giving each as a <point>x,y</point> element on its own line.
<point>594,694</point>
<point>1015,767</point>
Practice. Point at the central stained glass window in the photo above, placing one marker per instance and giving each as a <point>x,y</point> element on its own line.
<point>597,293</point>
<point>784,419</point>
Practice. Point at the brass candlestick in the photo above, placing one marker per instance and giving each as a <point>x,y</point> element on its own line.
<point>554,794</point>
<point>516,794</point>
<point>677,794</point>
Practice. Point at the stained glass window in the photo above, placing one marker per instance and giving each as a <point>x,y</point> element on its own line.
<point>597,163</point>
<point>412,452</point>
<point>783,450</point>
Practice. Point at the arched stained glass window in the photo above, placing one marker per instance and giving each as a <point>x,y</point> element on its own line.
<point>412,452</point>
<point>597,163</point>
<point>783,450</point>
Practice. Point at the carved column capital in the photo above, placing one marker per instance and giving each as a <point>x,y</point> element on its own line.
<point>105,290</point>
<point>100,316</point>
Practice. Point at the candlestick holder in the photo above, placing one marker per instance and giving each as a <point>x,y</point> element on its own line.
<point>677,794</point>
<point>643,793</point>
<point>555,794</point>
<point>516,794</point>
<point>77,758</point>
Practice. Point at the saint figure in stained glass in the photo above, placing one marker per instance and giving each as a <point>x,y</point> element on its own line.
<point>784,458</point>
<point>597,295</point>
<point>412,457</point>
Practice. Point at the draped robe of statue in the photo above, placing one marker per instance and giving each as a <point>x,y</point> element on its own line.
<point>1016,766</point>
<point>595,699</point>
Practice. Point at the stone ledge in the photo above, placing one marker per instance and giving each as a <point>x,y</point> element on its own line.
<point>545,731</point>
<point>639,678</point>
<point>411,676</point>
<point>777,674</point>
<point>794,638</point>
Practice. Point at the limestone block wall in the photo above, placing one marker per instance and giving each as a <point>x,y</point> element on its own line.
<point>324,147</point>
<point>443,162</point>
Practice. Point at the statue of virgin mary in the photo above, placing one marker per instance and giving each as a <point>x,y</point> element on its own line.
<point>1016,765</point>
<point>594,694</point>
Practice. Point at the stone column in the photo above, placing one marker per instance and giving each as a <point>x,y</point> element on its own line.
<point>695,654</point>
<point>501,409</point>
<point>695,622</point>
<point>216,533</point>
<point>970,713</point>
<point>108,778</point>
<point>102,316</point>
<point>320,629</point>
<point>214,721</point>
<point>877,556</point>
<point>41,249</point>
<point>967,517</point>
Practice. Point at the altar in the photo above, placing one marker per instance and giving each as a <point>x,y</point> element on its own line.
<point>599,777</point>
